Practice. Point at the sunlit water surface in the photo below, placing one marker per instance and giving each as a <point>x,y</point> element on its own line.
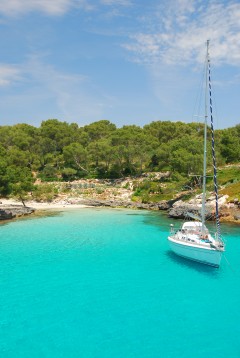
<point>103,283</point>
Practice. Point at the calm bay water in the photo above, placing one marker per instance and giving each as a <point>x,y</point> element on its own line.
<point>103,283</point>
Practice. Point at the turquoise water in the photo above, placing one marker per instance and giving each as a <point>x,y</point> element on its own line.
<point>103,283</point>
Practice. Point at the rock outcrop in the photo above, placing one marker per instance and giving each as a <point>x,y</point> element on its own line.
<point>12,211</point>
<point>181,209</point>
<point>115,204</point>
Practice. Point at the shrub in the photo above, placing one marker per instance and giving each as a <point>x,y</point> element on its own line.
<point>44,192</point>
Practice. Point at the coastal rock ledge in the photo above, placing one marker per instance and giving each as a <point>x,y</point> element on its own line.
<point>123,204</point>
<point>13,211</point>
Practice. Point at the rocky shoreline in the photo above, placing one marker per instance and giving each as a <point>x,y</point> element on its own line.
<point>176,209</point>
<point>8,212</point>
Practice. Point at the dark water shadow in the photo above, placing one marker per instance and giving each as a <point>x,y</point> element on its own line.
<point>207,270</point>
<point>39,214</point>
<point>158,218</point>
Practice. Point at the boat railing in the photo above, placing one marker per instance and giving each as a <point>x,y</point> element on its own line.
<point>189,240</point>
<point>172,230</point>
<point>191,231</point>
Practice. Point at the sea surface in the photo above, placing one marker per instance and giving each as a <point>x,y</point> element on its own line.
<point>103,283</point>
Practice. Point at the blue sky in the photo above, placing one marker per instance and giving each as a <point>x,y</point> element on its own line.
<point>127,61</point>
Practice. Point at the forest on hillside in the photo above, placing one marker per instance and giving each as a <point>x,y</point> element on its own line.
<point>61,151</point>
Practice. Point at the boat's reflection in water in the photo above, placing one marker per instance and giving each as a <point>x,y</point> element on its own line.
<point>210,271</point>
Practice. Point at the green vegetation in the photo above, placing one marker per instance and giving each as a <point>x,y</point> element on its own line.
<point>229,181</point>
<point>59,151</point>
<point>44,192</point>
<point>164,189</point>
<point>233,190</point>
<point>229,174</point>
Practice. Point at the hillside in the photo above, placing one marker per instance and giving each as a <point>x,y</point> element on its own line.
<point>144,167</point>
<point>154,191</point>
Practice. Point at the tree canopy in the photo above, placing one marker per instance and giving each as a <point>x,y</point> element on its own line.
<point>65,151</point>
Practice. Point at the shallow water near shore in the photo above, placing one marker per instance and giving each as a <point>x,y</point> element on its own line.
<point>103,283</point>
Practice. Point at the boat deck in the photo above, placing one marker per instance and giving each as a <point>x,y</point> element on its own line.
<point>195,240</point>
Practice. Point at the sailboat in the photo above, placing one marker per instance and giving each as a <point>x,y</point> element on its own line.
<point>193,240</point>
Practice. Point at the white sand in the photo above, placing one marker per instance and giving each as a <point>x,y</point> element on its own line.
<point>43,206</point>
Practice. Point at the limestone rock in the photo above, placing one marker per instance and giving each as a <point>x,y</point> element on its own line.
<point>13,211</point>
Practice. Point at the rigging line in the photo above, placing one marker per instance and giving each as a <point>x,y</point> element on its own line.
<point>214,102</point>
<point>230,266</point>
<point>213,152</point>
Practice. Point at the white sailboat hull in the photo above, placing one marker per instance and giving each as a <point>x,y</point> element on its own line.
<point>207,256</point>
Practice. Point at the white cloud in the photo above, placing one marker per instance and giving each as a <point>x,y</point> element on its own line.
<point>65,95</point>
<point>54,7</point>
<point>60,94</point>
<point>181,29</point>
<point>50,7</point>
<point>116,2</point>
<point>9,74</point>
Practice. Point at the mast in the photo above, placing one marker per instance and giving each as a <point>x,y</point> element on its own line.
<point>213,150</point>
<point>205,146</point>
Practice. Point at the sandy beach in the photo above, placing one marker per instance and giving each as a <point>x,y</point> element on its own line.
<point>44,206</point>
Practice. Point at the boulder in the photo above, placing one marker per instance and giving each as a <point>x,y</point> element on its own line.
<point>180,209</point>
<point>13,211</point>
<point>163,205</point>
<point>237,216</point>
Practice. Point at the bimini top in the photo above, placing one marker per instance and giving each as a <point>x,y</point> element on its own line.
<point>192,224</point>
<point>194,227</point>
